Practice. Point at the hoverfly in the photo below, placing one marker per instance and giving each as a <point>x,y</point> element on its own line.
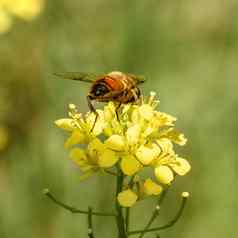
<point>115,86</point>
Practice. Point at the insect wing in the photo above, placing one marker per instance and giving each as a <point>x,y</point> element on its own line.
<point>139,78</point>
<point>79,76</point>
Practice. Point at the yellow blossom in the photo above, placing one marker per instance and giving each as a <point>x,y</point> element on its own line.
<point>146,154</point>
<point>130,165</point>
<point>181,166</point>
<point>24,9</point>
<point>143,137</point>
<point>107,158</point>
<point>5,21</point>
<point>133,134</point>
<point>146,112</point>
<point>152,188</point>
<point>164,174</point>
<point>127,198</point>
<point>115,142</point>
<point>66,124</point>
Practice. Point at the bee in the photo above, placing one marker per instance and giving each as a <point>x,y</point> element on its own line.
<point>115,86</point>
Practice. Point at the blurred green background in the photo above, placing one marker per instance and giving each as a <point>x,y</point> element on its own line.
<point>187,49</point>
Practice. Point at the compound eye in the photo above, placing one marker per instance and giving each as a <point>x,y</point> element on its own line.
<point>100,90</point>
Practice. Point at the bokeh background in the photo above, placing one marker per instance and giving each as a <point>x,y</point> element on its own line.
<point>187,49</point>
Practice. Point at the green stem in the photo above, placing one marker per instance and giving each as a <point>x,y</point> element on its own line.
<point>154,214</point>
<point>73,209</point>
<point>90,223</point>
<point>169,224</point>
<point>127,219</point>
<point>120,218</point>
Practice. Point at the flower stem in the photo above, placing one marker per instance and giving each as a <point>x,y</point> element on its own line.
<point>120,218</point>
<point>90,223</point>
<point>73,209</point>
<point>155,213</point>
<point>127,219</point>
<point>169,224</point>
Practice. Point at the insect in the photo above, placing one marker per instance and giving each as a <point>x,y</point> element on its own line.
<point>115,86</point>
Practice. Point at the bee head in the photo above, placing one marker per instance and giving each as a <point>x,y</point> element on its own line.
<point>99,90</point>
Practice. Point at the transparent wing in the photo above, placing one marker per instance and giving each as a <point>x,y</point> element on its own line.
<point>80,76</point>
<point>139,78</point>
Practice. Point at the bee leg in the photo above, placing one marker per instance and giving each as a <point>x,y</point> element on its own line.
<point>117,110</point>
<point>92,109</point>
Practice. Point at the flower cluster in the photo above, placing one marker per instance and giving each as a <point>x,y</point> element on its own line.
<point>141,139</point>
<point>24,9</point>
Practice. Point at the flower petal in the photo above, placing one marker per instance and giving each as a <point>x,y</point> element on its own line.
<point>152,188</point>
<point>146,112</point>
<point>99,125</point>
<point>127,198</point>
<point>107,159</point>
<point>166,146</point>
<point>77,137</point>
<point>115,142</point>
<point>182,167</point>
<point>65,124</point>
<point>133,134</point>
<point>164,174</point>
<point>80,158</point>
<point>130,165</point>
<point>146,154</point>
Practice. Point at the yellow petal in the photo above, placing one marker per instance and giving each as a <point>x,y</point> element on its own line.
<point>115,142</point>
<point>77,137</point>
<point>5,21</point>
<point>26,9</point>
<point>109,111</point>
<point>166,146</point>
<point>165,119</point>
<point>80,158</point>
<point>66,124</point>
<point>146,154</point>
<point>146,112</point>
<point>133,134</point>
<point>181,167</point>
<point>176,137</point>
<point>130,165</point>
<point>152,188</point>
<point>95,147</point>
<point>107,159</point>
<point>99,126</point>
<point>127,198</point>
<point>77,155</point>
<point>164,174</point>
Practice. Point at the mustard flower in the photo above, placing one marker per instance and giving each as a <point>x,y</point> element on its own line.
<point>142,138</point>
<point>23,9</point>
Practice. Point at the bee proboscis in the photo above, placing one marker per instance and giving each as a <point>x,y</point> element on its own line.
<point>115,86</point>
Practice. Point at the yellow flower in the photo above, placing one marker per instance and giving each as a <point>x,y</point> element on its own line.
<point>181,166</point>
<point>146,154</point>
<point>66,124</point>
<point>152,188</point>
<point>166,166</point>
<point>130,165</point>
<point>142,138</point>
<point>24,9</point>
<point>115,142</point>
<point>5,21</point>
<point>127,198</point>
<point>164,174</point>
<point>107,158</point>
